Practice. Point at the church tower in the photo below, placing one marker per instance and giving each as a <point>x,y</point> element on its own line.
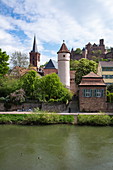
<point>35,55</point>
<point>64,65</point>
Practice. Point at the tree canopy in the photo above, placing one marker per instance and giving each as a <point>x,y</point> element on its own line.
<point>73,64</point>
<point>19,59</point>
<point>84,67</point>
<point>3,63</point>
<point>78,51</point>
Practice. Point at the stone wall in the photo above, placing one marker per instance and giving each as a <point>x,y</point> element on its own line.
<point>2,108</point>
<point>52,107</point>
<point>109,107</point>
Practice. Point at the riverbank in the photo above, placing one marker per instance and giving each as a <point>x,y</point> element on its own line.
<point>97,119</point>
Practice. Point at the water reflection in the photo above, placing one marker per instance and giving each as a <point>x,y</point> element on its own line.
<point>56,147</point>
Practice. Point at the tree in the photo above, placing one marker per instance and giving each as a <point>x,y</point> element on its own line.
<point>28,83</point>
<point>8,85</point>
<point>3,63</point>
<point>84,67</point>
<point>73,64</point>
<point>110,88</point>
<point>49,88</point>
<point>19,59</point>
<point>78,51</point>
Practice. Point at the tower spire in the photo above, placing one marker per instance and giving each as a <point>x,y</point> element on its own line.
<point>34,45</point>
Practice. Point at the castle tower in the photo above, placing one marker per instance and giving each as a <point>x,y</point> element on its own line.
<point>35,55</point>
<point>64,65</point>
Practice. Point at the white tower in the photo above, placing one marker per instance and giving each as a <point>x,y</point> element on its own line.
<point>64,65</point>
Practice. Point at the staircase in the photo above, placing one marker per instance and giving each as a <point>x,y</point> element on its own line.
<point>73,106</point>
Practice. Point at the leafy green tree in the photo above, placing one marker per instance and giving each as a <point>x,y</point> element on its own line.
<point>50,88</point>
<point>3,63</point>
<point>19,59</point>
<point>28,83</point>
<point>110,88</point>
<point>73,64</point>
<point>78,51</point>
<point>8,85</point>
<point>84,67</point>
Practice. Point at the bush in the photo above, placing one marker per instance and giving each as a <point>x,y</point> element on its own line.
<point>8,85</point>
<point>94,120</point>
<point>110,97</point>
<point>17,97</point>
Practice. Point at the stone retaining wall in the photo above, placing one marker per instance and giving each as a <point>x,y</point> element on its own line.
<point>52,107</point>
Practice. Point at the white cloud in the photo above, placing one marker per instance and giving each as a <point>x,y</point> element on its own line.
<point>77,22</point>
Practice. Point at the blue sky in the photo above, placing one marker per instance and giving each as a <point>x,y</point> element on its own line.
<point>75,21</point>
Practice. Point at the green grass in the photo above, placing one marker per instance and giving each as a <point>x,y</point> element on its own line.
<point>100,120</point>
<point>35,119</point>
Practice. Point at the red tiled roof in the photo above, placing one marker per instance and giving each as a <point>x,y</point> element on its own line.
<point>63,49</point>
<point>91,74</point>
<point>92,79</point>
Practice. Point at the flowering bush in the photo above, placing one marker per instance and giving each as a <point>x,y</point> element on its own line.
<point>17,97</point>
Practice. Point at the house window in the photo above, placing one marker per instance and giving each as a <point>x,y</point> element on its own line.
<point>98,93</point>
<point>107,76</point>
<point>107,68</point>
<point>93,92</point>
<point>87,92</point>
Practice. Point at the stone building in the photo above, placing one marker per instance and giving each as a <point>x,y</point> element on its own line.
<point>92,93</point>
<point>90,51</point>
<point>105,69</point>
<point>35,56</point>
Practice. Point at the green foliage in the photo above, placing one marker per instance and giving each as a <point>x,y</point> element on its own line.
<point>84,67</point>
<point>3,63</point>
<point>19,59</point>
<point>97,52</point>
<point>110,97</point>
<point>73,64</point>
<point>35,119</point>
<point>28,83</point>
<point>101,120</point>
<point>49,88</point>
<point>8,85</point>
<point>17,97</point>
<point>78,51</point>
<point>110,88</point>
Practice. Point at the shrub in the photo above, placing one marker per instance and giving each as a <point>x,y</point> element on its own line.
<point>17,97</point>
<point>110,97</point>
<point>94,120</point>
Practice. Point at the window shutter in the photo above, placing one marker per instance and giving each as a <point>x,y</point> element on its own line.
<point>94,92</point>
<point>83,92</point>
<point>90,93</point>
<point>102,92</point>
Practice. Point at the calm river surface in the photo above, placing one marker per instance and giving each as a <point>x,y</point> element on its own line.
<point>56,147</point>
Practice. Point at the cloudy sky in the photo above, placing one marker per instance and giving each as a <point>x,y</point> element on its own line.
<point>52,21</point>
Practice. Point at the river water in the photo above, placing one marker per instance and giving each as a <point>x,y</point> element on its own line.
<point>56,147</point>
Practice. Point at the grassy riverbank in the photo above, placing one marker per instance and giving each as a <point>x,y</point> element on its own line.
<point>95,120</point>
<point>35,119</point>
<point>44,119</point>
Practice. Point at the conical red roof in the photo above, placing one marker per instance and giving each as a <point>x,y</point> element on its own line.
<point>63,49</point>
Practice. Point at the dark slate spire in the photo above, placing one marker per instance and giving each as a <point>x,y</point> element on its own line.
<point>34,45</point>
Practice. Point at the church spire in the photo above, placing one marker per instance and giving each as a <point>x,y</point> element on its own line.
<point>34,45</point>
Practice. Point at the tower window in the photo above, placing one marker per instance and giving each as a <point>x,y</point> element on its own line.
<point>63,55</point>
